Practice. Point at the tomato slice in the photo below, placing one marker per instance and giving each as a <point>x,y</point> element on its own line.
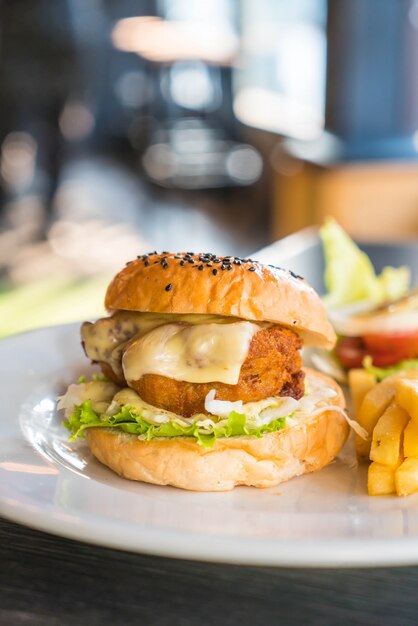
<point>351,352</point>
<point>387,349</point>
<point>384,359</point>
<point>404,344</point>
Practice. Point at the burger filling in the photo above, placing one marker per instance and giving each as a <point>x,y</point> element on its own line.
<point>386,334</point>
<point>191,375</point>
<point>173,362</point>
<point>101,404</point>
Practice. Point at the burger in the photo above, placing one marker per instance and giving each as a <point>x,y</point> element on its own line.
<point>374,315</point>
<point>202,384</point>
<point>385,335</point>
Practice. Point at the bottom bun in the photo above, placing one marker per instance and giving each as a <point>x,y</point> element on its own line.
<point>305,446</point>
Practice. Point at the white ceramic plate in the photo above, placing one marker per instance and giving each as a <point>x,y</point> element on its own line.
<point>323,519</point>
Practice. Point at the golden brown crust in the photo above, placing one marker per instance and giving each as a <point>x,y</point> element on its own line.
<point>306,446</point>
<point>110,374</point>
<point>272,367</point>
<point>248,290</point>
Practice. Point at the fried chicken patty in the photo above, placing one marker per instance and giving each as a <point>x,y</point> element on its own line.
<point>272,367</point>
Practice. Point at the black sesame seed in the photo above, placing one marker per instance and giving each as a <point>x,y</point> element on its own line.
<point>295,321</point>
<point>237,262</point>
<point>214,272</point>
<point>295,275</point>
<point>252,269</point>
<point>178,256</point>
<point>182,262</point>
<point>165,252</point>
<point>201,267</point>
<point>216,260</point>
<point>169,287</point>
<point>165,265</point>
<point>229,267</point>
<point>191,253</point>
<point>146,263</point>
<point>191,260</point>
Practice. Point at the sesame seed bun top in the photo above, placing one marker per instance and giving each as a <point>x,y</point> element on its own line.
<point>187,283</point>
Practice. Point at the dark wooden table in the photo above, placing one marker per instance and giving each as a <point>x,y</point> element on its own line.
<point>46,580</point>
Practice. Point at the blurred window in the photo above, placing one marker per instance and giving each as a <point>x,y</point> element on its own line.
<point>193,86</point>
<point>280,81</point>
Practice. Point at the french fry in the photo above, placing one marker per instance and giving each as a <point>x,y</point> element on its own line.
<point>410,439</point>
<point>360,382</point>
<point>406,477</point>
<point>374,404</point>
<point>387,436</point>
<point>407,396</point>
<point>380,479</point>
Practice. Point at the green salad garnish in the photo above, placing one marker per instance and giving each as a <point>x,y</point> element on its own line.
<point>350,275</point>
<point>384,372</point>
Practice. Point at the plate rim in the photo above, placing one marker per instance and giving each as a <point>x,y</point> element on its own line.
<point>348,552</point>
<point>295,554</point>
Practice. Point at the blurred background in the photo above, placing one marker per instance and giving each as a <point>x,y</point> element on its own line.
<point>217,125</point>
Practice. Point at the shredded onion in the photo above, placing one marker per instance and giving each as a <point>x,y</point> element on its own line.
<point>284,409</point>
<point>258,414</point>
<point>392,317</point>
<point>359,430</point>
<point>221,407</point>
<point>99,392</point>
<point>327,363</point>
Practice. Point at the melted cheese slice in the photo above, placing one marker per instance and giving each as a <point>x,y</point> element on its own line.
<point>106,339</point>
<point>194,353</point>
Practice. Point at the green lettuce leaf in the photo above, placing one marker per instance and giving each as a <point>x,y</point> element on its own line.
<point>129,421</point>
<point>384,372</point>
<point>95,377</point>
<point>350,275</point>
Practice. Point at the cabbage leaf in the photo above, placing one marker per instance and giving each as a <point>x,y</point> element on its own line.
<point>384,372</point>
<point>349,274</point>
